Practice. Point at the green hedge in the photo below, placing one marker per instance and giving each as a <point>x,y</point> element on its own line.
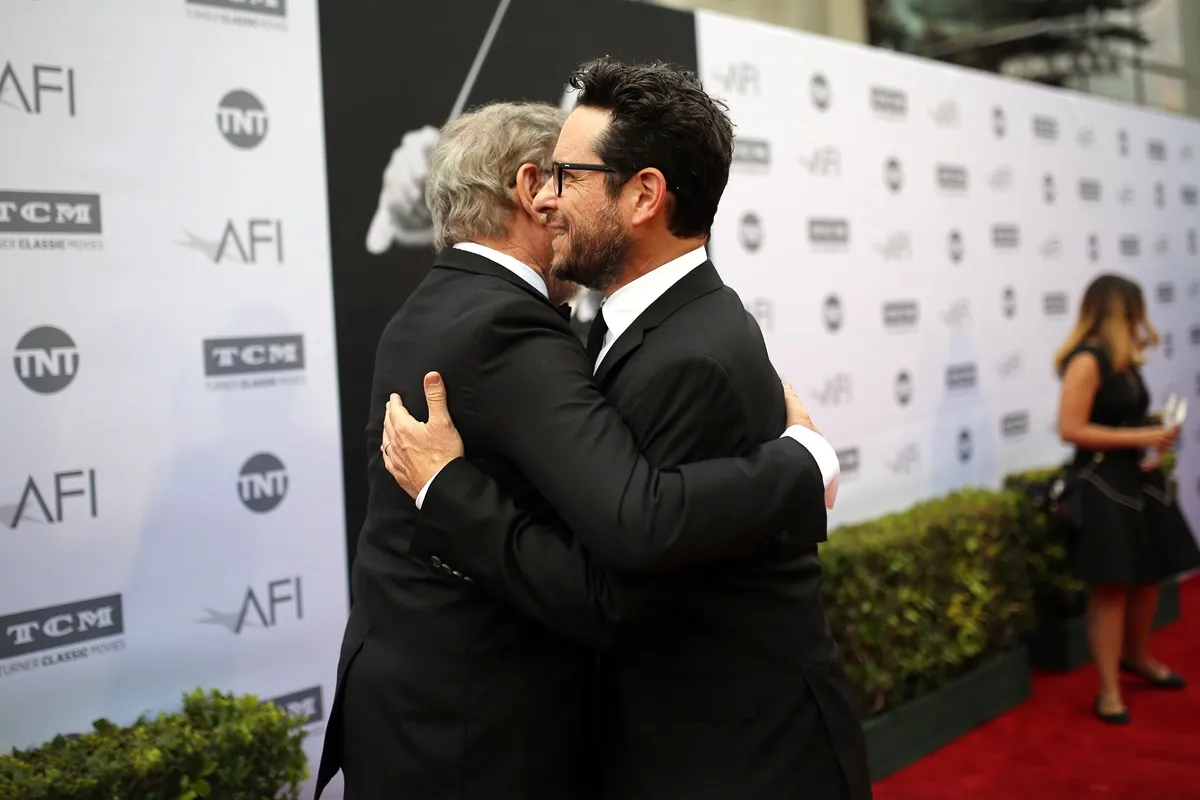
<point>919,597</point>
<point>219,746</point>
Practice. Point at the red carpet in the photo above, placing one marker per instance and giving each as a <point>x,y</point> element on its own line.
<point>1052,747</point>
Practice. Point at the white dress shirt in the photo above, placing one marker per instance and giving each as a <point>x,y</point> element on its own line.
<point>625,305</point>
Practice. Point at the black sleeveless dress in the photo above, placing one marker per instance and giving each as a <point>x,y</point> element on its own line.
<point>1131,529</point>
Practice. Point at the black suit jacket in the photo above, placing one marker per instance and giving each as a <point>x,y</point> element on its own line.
<point>738,692</point>
<point>442,689</point>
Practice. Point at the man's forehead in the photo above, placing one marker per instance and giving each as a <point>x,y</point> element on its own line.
<point>578,136</point>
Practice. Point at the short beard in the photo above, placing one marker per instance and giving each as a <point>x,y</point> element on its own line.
<point>598,252</point>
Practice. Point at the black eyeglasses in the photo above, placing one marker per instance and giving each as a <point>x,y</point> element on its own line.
<point>558,167</point>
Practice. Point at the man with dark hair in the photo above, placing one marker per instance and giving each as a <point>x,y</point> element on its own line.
<point>738,691</point>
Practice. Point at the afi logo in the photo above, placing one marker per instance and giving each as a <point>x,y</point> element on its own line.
<point>46,360</point>
<point>896,247</point>
<point>820,91</point>
<point>242,119</point>
<point>1051,247</point>
<point>1011,366</point>
<point>1002,179</point>
<point>32,506</point>
<point>260,238</point>
<point>741,78</point>
<point>825,162</point>
<point>283,599</point>
<point>907,460</point>
<point>946,114</point>
<point>262,483</point>
<point>838,390</point>
<point>958,314</point>
<point>831,312</point>
<point>1087,137</point>
<point>45,86</point>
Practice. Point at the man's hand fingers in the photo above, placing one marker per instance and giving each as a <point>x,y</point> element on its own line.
<point>435,398</point>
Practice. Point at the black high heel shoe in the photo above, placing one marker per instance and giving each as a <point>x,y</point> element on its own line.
<point>1118,718</point>
<point>1169,681</point>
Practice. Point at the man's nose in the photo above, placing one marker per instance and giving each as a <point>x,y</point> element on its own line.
<point>546,200</point>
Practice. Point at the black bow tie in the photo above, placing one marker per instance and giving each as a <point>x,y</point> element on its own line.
<point>565,311</point>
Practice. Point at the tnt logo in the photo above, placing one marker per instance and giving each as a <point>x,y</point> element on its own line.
<point>750,232</point>
<point>832,313</point>
<point>820,91</point>
<point>904,388</point>
<point>242,119</point>
<point>46,360</point>
<point>262,483</point>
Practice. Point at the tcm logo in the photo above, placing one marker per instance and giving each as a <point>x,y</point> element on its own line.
<point>1165,292</point>
<point>283,600</point>
<point>44,88</point>
<point>32,505</point>
<point>952,178</point>
<point>1045,128</point>
<point>751,152</point>
<point>906,461</point>
<point>904,388</point>
<point>848,460</point>
<point>1089,190</point>
<point>269,8</point>
<point>1051,248</point>
<point>965,446</point>
<point>1011,366</point>
<point>1015,425</point>
<point>1049,190</point>
<point>750,232</point>
<point>46,360</point>
<point>825,162</point>
<point>999,122</point>
<point>1054,303</point>
<point>741,78</point>
<point>901,314</point>
<point>888,102</point>
<point>955,246</point>
<point>1008,302</point>
<point>1002,179</point>
<point>1156,150</point>
<point>253,356</point>
<point>60,626</point>
<point>837,391</point>
<point>829,233</point>
<point>832,314</point>
<point>49,212</point>
<point>306,705</point>
<point>958,313</point>
<point>1188,195</point>
<point>1006,237</point>
<point>961,376</point>
<point>820,91</point>
<point>244,243</point>
<point>763,311</point>
<point>1130,245</point>
<point>896,247</point>
<point>946,114</point>
<point>893,175</point>
<point>262,483</point>
<point>242,119</point>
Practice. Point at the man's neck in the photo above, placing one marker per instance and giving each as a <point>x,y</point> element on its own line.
<point>650,259</point>
<point>515,249</point>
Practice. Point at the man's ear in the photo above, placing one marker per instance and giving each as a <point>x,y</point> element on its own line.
<point>650,195</point>
<point>528,183</point>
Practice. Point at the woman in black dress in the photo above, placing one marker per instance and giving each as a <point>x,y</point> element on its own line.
<point>1132,534</point>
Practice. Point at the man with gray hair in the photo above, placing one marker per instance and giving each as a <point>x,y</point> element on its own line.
<point>444,691</point>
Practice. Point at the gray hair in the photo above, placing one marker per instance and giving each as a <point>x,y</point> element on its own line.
<point>475,162</point>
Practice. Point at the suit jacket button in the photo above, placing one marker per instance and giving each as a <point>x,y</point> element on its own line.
<point>436,562</point>
<point>456,573</point>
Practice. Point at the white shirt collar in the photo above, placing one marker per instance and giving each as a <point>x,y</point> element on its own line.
<point>518,268</point>
<point>627,303</point>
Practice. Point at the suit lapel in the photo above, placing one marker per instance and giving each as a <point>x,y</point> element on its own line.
<point>697,283</point>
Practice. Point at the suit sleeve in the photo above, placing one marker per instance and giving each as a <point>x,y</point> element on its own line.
<point>535,403</point>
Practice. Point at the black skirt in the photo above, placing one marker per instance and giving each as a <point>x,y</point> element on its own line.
<point>1131,529</point>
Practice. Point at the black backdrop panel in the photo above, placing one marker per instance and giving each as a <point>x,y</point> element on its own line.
<point>392,67</point>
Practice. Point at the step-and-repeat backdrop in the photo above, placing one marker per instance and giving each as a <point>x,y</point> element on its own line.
<point>915,240</point>
<point>170,484</point>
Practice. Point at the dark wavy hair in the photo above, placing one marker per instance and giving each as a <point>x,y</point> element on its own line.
<point>662,118</point>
